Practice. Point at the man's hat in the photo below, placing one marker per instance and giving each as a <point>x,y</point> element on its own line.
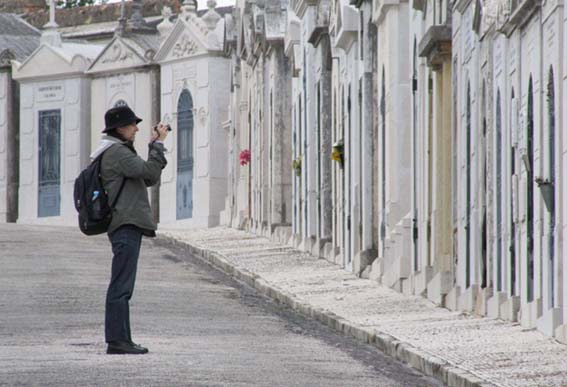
<point>118,117</point>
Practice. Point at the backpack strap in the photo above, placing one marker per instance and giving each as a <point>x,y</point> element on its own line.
<point>121,185</point>
<point>119,192</point>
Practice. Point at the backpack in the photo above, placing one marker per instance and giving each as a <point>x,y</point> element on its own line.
<point>91,199</point>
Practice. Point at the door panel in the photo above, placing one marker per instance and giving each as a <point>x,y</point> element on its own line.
<point>185,156</point>
<point>49,195</point>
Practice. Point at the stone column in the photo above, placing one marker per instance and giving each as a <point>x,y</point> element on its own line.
<point>442,217</point>
<point>325,117</point>
<point>155,80</point>
<point>280,211</point>
<point>369,46</point>
<point>12,148</point>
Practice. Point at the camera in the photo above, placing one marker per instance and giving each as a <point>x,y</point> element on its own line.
<point>167,126</point>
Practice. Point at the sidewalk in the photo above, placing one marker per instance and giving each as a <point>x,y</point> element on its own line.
<point>459,349</point>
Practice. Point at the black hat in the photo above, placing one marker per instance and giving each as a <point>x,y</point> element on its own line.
<point>119,116</point>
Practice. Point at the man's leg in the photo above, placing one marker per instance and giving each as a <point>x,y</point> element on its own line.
<point>126,249</point>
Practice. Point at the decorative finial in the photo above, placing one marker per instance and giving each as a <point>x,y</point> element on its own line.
<point>137,18</point>
<point>188,7</point>
<point>211,18</point>
<point>165,27</point>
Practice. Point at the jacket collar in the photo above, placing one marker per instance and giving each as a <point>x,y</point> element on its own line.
<point>106,142</point>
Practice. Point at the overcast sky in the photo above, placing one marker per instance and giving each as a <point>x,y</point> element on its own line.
<point>201,3</point>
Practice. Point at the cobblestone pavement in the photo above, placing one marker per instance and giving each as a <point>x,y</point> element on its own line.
<point>202,328</point>
<point>457,348</point>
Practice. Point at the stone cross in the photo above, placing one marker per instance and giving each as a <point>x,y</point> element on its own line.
<point>50,35</point>
<point>51,23</point>
<point>121,28</point>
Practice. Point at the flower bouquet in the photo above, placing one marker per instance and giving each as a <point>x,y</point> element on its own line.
<point>296,165</point>
<point>244,157</point>
<point>338,153</point>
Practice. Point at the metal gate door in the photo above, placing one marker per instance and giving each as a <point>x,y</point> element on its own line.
<point>49,195</point>
<point>185,156</point>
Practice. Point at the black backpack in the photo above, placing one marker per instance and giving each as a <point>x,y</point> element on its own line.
<point>91,199</point>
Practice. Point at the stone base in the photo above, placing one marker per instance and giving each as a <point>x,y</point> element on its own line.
<point>376,270</point>
<point>338,257</point>
<point>319,248</point>
<point>281,233</point>
<point>481,302</point>
<point>510,308</point>
<point>295,241</point>
<point>439,286</point>
<point>550,321</point>
<point>421,279</point>
<point>308,245</point>
<point>452,298</point>
<point>529,313</point>
<point>561,333</point>
<point>494,305</point>
<point>467,300</point>
<point>397,268</point>
<point>362,260</point>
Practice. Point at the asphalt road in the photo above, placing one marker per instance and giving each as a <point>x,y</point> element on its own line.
<point>202,328</point>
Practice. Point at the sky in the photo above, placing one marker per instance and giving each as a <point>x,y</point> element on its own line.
<point>202,4</point>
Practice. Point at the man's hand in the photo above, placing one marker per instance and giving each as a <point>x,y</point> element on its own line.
<point>159,132</point>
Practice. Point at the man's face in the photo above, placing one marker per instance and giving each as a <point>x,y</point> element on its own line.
<point>128,132</point>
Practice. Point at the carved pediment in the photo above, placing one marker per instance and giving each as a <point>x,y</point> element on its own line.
<point>183,42</point>
<point>47,61</point>
<point>186,46</point>
<point>118,54</point>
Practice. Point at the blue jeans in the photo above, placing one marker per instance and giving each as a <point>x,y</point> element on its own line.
<point>126,241</point>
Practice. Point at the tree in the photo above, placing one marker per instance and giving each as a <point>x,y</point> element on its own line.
<point>74,3</point>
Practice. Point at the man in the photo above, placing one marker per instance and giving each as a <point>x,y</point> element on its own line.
<point>126,175</point>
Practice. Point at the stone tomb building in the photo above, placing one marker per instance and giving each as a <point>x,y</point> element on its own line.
<point>195,94</point>
<point>17,40</point>
<point>125,73</point>
<point>54,126</point>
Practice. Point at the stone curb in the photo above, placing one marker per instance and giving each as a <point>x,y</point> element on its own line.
<point>426,363</point>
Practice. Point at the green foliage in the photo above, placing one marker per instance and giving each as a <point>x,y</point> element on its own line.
<point>74,3</point>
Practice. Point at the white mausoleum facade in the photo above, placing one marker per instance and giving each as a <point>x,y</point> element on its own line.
<point>54,127</point>
<point>194,99</point>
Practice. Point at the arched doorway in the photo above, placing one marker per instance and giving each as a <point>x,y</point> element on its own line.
<point>468,198</point>
<point>498,192</point>
<point>549,196</point>
<point>530,192</point>
<point>185,155</point>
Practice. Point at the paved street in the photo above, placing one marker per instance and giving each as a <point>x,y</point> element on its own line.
<point>202,328</point>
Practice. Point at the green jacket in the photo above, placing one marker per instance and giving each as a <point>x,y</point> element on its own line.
<point>120,161</point>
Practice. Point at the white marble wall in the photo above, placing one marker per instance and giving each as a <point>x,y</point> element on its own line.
<point>208,81</point>
<point>69,96</point>
<point>4,125</point>
<point>138,90</point>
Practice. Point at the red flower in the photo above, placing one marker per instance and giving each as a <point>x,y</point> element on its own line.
<point>244,157</point>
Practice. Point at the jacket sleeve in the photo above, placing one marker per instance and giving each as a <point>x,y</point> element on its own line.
<point>134,167</point>
<point>156,150</point>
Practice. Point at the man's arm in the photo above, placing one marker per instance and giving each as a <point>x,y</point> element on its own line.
<point>156,149</point>
<point>134,167</point>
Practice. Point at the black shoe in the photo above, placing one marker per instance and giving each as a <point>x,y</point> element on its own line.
<point>138,346</point>
<point>125,348</point>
